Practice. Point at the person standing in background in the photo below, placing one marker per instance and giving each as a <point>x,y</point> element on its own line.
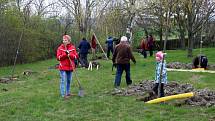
<point>109,43</point>
<point>143,48</point>
<point>150,44</point>
<point>84,47</point>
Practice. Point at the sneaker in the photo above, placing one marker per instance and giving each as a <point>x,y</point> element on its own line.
<point>117,90</point>
<point>69,95</point>
<point>66,97</point>
<point>129,86</point>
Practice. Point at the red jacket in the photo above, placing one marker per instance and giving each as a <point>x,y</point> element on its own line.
<point>93,42</point>
<point>63,58</point>
<point>143,45</point>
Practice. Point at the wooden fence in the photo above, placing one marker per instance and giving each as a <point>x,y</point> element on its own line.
<point>174,44</point>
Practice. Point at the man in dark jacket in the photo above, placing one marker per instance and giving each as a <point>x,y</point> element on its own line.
<point>84,46</point>
<point>109,43</point>
<point>121,58</point>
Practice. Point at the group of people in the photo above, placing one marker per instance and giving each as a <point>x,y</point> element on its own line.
<point>147,44</point>
<point>121,58</point>
<point>122,54</point>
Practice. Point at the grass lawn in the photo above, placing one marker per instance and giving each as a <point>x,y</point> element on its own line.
<point>36,97</point>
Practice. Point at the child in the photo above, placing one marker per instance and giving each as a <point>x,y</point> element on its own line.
<point>158,76</point>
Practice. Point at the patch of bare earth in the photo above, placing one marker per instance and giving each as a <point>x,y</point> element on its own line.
<point>179,65</point>
<point>143,91</point>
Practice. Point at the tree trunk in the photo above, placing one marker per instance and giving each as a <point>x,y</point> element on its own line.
<point>182,38</point>
<point>161,36</point>
<point>166,38</point>
<point>146,32</point>
<point>190,44</point>
<point>207,31</point>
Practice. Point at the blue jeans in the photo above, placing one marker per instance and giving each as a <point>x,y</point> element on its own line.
<point>65,76</point>
<point>119,71</point>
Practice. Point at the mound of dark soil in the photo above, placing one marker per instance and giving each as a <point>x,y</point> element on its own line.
<point>202,97</point>
<point>179,65</point>
<point>8,79</point>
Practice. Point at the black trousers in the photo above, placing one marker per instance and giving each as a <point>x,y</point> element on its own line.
<point>83,60</point>
<point>110,49</point>
<point>155,89</point>
<point>144,53</point>
<point>151,52</point>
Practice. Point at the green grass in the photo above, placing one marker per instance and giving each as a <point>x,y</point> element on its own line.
<point>36,97</point>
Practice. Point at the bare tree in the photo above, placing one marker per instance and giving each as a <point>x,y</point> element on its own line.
<point>42,7</point>
<point>180,19</point>
<point>153,13</point>
<point>25,16</point>
<point>85,13</point>
<point>197,15</point>
<point>129,6</point>
<point>80,14</point>
<point>168,5</point>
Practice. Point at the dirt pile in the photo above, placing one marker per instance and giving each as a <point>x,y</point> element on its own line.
<point>8,79</point>
<point>5,80</point>
<point>179,65</point>
<point>202,97</point>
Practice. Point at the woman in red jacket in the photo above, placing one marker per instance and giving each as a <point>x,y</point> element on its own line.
<point>66,54</point>
<point>143,48</point>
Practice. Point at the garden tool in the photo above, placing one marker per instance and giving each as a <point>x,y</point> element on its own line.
<point>81,90</point>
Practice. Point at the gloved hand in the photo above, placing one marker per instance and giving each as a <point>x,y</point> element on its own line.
<point>76,62</point>
<point>67,52</point>
<point>114,65</point>
<point>134,62</point>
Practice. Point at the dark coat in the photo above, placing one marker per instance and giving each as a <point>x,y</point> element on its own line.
<point>122,54</point>
<point>109,42</point>
<point>84,46</point>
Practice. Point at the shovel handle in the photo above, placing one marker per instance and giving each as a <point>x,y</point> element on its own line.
<point>74,71</point>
